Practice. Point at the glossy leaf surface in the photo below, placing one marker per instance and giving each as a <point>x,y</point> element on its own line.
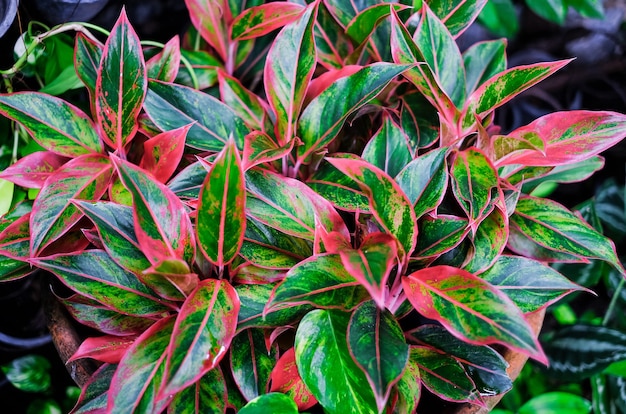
<point>457,15</point>
<point>103,348</point>
<point>439,235</point>
<point>482,61</point>
<point>244,102</point>
<point>262,19</point>
<point>87,55</point>
<point>339,189</point>
<point>273,402</point>
<point>286,379</point>
<point>221,218</point>
<point>207,395</point>
<point>335,380</point>
<point>388,149</point>
<point>470,308</point>
<point>488,241</point>
<point>251,363</point>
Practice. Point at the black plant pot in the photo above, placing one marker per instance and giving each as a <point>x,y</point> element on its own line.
<point>8,10</point>
<point>61,11</point>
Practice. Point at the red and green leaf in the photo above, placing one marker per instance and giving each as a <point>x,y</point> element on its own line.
<point>171,279</point>
<point>93,396</point>
<point>339,189</point>
<point>105,348</point>
<point>251,362</point>
<point>420,121</point>
<point>211,18</point>
<point>55,124</point>
<point>162,153</point>
<point>323,118</point>
<point>488,241</point>
<point>87,55</point>
<point>203,332</point>
<point>137,378</point>
<point>566,137</point>
<point>382,352</point>
<point>93,274</point>
<point>321,281</point>
<point>333,45</point>
<point>529,283</point>
<point>162,226</point>
<point>164,65</point>
<point>34,169</point>
<point>221,216</point>
<point>363,25</point>
<point>335,380</point>
<point>172,106</point>
<point>457,15</point>
<point>408,390</point>
<point>482,61</point>
<point>15,249</point>
<point>120,85</point>
<point>53,215</point>
<point>247,105</point>
<point>263,19</point>
<point>208,395</point>
<point>470,308</point>
<point>288,205</point>
<point>372,263</point>
<point>286,379</point>
<point>424,181</point>
<point>388,149</point>
<point>439,235</point>
<point>286,80</point>
<point>388,203</point>
<point>259,148</point>
<point>270,248</point>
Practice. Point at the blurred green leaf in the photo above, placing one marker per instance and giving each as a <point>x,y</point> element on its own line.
<point>556,402</point>
<point>30,373</point>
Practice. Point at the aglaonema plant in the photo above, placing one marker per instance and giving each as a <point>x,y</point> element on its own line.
<point>342,227</point>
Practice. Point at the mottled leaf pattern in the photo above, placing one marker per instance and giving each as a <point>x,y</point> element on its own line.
<point>208,395</point>
<point>211,19</point>
<point>262,19</point>
<point>33,170</point>
<point>388,149</point>
<point>251,362</point>
<point>285,378</point>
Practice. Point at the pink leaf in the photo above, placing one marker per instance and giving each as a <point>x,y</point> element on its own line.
<point>162,153</point>
<point>106,348</point>
<point>32,170</point>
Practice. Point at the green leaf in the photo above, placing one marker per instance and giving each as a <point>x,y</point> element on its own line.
<point>120,85</point>
<point>273,402</point>
<point>286,80</point>
<point>342,191</point>
<point>263,19</point>
<point>204,65</point>
<point>207,396</point>
<point>87,55</point>
<point>162,225</point>
<point>203,332</point>
<point>408,389</point>
<point>251,362</point>
<point>470,308</point>
<point>93,274</point>
<point>333,45</point>
<point>420,121</point>
<point>6,196</point>
<point>388,203</point>
<point>424,180</point>
<point>188,182</point>
<point>115,226</point>
<point>439,235</point>
<point>488,241</point>
<point>457,15</point>
<point>93,396</point>
<point>164,65</point>
<point>270,248</point>
<point>221,218</point>
<point>323,118</point>
<point>29,373</point>
<point>211,19</point>
<point>482,61</point>
<point>363,25</point>
<point>134,386</point>
<point>444,376</point>
<point>335,380</point>
<point>55,124</point>
<point>529,283</point>
<point>382,352</point>
<point>245,103</point>
<point>554,11</point>
<point>580,351</point>
<point>388,149</point>
<point>259,148</point>
<point>556,402</point>
<point>545,230</point>
<point>172,106</point>
<point>321,281</point>
<point>86,178</point>
<point>500,18</point>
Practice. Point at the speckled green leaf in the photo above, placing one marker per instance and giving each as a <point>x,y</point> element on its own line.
<point>323,118</point>
<point>529,283</point>
<point>541,227</point>
<point>87,55</point>
<point>164,65</point>
<point>188,182</point>
<point>335,380</point>
<point>381,352</point>
<point>115,226</point>
<point>172,106</point>
<point>371,264</point>
<point>470,308</point>
<point>15,250</point>
<point>84,178</point>
<point>321,281</point>
<point>503,87</point>
<point>274,402</point>
<point>444,376</point>
<point>259,148</point>
<point>135,383</point>
<point>439,235</point>
<point>457,15</point>
<point>286,80</point>
<point>363,25</point>
<point>482,61</point>
<point>93,396</point>
<point>253,313</point>
<point>55,124</point>
<point>486,367</point>
<point>120,85</point>
<point>251,362</point>
<point>244,103</point>
<point>408,389</point>
<point>162,225</point>
<point>93,274</point>
<point>221,218</point>
<point>339,189</point>
<point>272,249</point>
<point>211,19</point>
<point>488,241</point>
<point>441,54</point>
<point>388,149</point>
<point>263,19</point>
<point>567,137</point>
<point>332,44</point>
<point>424,181</point>
<point>207,396</point>
<point>474,184</point>
<point>388,203</point>
<point>288,205</point>
<point>203,332</point>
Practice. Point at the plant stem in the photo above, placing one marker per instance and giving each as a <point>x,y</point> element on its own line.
<point>16,141</point>
<point>609,311</point>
